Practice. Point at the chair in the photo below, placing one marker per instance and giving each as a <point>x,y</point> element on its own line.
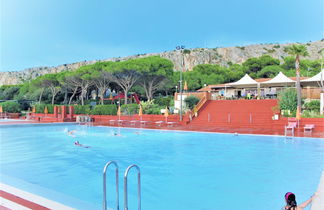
<point>143,122</point>
<point>159,123</point>
<point>309,127</point>
<point>133,122</point>
<point>291,126</point>
<point>170,124</point>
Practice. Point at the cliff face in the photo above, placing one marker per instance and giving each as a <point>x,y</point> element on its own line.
<point>184,62</point>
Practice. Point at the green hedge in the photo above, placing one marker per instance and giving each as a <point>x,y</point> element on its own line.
<point>288,100</point>
<point>104,110</point>
<point>79,109</point>
<point>313,105</point>
<point>129,109</point>
<point>165,101</point>
<point>41,107</point>
<point>191,101</point>
<point>10,107</point>
<point>154,109</point>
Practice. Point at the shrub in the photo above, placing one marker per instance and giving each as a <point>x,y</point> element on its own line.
<point>41,107</point>
<point>186,51</point>
<point>130,109</point>
<point>24,104</point>
<point>311,114</point>
<point>104,110</point>
<point>165,101</point>
<point>312,105</point>
<point>154,109</point>
<point>288,100</point>
<point>79,109</point>
<point>191,101</point>
<point>10,107</point>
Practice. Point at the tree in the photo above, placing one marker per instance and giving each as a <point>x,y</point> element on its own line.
<point>7,92</point>
<point>269,71</point>
<point>51,81</point>
<point>102,79</point>
<point>126,79</point>
<point>80,79</point>
<point>254,65</point>
<point>155,72</point>
<point>71,83</point>
<point>191,101</point>
<point>297,50</point>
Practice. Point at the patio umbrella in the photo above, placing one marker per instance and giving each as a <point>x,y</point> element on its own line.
<point>34,109</point>
<point>185,87</point>
<point>1,110</point>
<point>140,112</point>
<point>166,114</point>
<point>45,110</point>
<point>119,112</point>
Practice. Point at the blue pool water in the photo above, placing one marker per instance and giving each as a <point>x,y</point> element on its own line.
<point>180,170</point>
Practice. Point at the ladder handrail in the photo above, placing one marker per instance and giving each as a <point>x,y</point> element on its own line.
<point>138,186</point>
<point>104,185</point>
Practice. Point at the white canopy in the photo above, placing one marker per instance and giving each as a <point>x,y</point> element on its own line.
<point>317,78</point>
<point>246,80</point>
<point>279,79</point>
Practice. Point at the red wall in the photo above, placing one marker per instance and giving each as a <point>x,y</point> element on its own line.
<point>106,118</point>
<point>246,114</point>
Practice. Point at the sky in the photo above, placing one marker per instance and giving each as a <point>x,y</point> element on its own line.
<point>53,32</point>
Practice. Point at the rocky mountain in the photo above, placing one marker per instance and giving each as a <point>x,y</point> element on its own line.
<point>184,61</point>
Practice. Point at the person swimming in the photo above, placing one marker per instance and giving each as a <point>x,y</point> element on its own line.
<point>116,134</point>
<point>77,143</point>
<point>71,133</point>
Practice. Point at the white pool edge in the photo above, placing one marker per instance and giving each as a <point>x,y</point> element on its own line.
<point>318,202</point>
<point>34,198</point>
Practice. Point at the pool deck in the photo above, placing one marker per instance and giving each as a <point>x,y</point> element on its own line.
<point>176,126</point>
<point>318,202</point>
<point>238,130</point>
<point>13,198</point>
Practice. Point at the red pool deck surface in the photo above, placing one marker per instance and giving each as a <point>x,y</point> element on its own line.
<point>262,131</point>
<point>20,201</point>
<point>299,132</point>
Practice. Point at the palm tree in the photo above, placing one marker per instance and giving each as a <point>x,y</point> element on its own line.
<point>297,50</point>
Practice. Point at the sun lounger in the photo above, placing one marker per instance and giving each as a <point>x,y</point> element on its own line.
<point>159,123</point>
<point>291,126</point>
<point>133,122</point>
<point>309,127</point>
<point>170,124</point>
<point>120,122</point>
<point>112,122</point>
<point>143,122</point>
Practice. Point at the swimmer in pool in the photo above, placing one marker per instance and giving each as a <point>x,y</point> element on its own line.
<point>117,134</point>
<point>77,143</point>
<point>71,133</point>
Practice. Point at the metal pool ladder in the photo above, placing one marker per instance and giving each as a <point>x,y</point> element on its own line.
<point>125,185</point>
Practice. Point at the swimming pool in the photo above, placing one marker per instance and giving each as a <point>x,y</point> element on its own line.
<point>179,170</point>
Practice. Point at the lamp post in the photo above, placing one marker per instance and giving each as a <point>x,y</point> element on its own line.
<point>181,48</point>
